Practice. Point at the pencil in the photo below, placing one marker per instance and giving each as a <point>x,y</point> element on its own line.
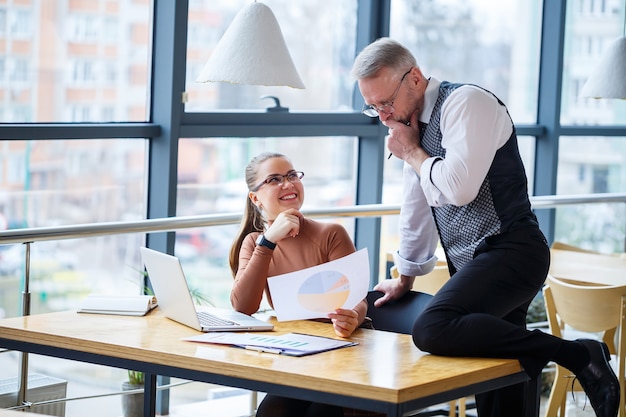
<point>390,154</point>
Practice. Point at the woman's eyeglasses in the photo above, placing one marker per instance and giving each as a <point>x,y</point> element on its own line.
<point>275,180</point>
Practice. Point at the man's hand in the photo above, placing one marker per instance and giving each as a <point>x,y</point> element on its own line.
<point>393,289</point>
<point>404,143</point>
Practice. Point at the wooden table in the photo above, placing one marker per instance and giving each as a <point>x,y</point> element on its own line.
<point>385,372</point>
<point>588,267</point>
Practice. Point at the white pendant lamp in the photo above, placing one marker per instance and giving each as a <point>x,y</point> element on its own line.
<point>608,79</point>
<point>253,52</point>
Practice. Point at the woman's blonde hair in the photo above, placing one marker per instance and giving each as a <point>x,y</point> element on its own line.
<point>252,219</point>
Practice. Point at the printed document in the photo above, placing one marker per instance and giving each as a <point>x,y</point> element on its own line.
<point>314,292</point>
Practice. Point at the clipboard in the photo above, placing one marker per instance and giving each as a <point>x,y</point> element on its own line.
<point>290,344</point>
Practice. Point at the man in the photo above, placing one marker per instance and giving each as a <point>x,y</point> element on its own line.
<point>465,185</point>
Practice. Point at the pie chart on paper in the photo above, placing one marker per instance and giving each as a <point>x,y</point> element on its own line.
<point>324,291</point>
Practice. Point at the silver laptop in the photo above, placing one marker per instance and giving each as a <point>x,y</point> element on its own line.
<point>172,293</point>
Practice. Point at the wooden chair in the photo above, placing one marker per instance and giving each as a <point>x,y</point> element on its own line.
<point>566,246</point>
<point>587,266</point>
<point>429,283</point>
<point>585,307</point>
<point>398,317</point>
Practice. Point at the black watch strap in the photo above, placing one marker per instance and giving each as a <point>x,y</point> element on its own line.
<point>261,241</point>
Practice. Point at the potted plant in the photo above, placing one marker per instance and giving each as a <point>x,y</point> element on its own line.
<point>132,404</point>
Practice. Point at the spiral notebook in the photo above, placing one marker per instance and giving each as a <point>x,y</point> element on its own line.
<point>125,305</point>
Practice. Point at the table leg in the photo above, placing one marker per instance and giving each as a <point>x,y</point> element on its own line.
<point>149,395</point>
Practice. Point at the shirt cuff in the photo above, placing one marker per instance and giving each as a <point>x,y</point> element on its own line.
<point>414,269</point>
<point>427,166</point>
<point>434,197</point>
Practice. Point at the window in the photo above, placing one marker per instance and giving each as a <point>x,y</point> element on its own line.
<point>589,165</point>
<point>84,28</point>
<point>322,50</point>
<point>51,183</point>
<point>209,182</point>
<point>110,30</point>
<point>20,70</point>
<point>80,113</point>
<point>586,38</point>
<point>84,71</point>
<point>3,21</point>
<point>471,42</point>
<point>87,47</point>
<point>21,25</point>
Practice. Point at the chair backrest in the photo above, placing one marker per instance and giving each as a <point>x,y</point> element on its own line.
<point>583,306</point>
<point>588,267</point>
<point>429,283</point>
<point>397,316</point>
<point>565,246</point>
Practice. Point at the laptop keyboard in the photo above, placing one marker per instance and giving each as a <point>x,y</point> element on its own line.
<point>208,319</point>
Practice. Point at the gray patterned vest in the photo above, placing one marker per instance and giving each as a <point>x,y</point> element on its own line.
<point>502,202</point>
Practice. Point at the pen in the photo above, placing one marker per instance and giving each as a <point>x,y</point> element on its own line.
<point>264,349</point>
<point>390,154</point>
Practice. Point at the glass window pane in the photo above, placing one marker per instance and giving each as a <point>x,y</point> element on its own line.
<point>83,62</point>
<point>590,28</point>
<point>211,180</point>
<point>321,46</point>
<point>472,42</point>
<point>590,165</point>
<point>55,183</point>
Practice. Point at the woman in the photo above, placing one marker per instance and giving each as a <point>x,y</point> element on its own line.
<point>275,238</point>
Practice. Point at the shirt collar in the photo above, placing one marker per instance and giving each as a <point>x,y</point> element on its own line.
<point>430,98</point>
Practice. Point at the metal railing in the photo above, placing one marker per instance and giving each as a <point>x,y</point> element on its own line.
<point>174,223</point>
<point>31,235</point>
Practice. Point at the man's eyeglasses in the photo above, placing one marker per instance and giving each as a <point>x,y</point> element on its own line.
<point>374,111</point>
<point>275,180</point>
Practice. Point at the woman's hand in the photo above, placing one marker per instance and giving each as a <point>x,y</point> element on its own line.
<point>344,321</point>
<point>286,224</point>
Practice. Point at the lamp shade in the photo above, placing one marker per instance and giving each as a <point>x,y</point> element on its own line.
<point>608,79</point>
<point>252,51</point>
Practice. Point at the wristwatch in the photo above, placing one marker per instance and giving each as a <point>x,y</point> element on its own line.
<point>261,241</point>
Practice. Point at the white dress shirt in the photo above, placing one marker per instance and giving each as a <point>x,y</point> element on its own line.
<point>473,126</point>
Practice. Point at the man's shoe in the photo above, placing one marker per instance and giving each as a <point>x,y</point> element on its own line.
<point>598,379</point>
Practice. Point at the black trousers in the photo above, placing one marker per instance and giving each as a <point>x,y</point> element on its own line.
<point>481,312</point>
